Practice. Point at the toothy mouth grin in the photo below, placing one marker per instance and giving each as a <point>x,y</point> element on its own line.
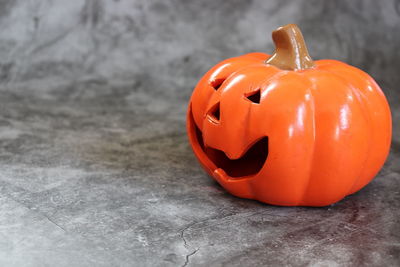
<point>250,163</point>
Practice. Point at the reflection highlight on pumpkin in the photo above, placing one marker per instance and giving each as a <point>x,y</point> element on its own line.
<point>250,163</point>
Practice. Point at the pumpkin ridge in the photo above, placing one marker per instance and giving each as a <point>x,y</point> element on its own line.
<point>228,77</point>
<point>311,165</point>
<point>344,88</point>
<point>360,96</point>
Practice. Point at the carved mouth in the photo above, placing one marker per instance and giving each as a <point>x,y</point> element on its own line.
<point>250,163</point>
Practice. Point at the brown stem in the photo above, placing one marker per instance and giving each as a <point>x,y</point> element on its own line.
<point>290,49</point>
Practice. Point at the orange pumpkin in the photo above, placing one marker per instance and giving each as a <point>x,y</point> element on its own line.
<point>286,130</point>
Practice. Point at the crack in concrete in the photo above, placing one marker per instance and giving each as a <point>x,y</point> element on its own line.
<point>185,244</point>
<point>182,234</point>
<point>188,256</point>
<point>53,222</point>
<point>33,210</point>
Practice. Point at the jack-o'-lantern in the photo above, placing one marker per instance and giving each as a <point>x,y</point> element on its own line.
<point>287,130</point>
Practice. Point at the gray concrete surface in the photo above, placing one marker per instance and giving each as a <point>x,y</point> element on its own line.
<point>95,168</point>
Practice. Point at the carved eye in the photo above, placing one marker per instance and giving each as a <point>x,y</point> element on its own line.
<point>217,83</point>
<point>214,113</point>
<point>254,96</point>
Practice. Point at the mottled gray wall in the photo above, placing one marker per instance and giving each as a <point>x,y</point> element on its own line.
<point>166,46</point>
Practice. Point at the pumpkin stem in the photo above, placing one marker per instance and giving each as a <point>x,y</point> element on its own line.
<point>290,49</point>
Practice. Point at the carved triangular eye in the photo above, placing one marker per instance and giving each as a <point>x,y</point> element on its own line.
<point>254,96</point>
<point>217,83</point>
<point>214,113</point>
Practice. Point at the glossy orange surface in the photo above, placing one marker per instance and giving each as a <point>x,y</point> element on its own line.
<point>305,137</point>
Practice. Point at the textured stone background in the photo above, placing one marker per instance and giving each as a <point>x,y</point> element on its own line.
<point>95,168</point>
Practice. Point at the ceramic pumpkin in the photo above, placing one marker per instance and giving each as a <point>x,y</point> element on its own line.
<point>287,130</point>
